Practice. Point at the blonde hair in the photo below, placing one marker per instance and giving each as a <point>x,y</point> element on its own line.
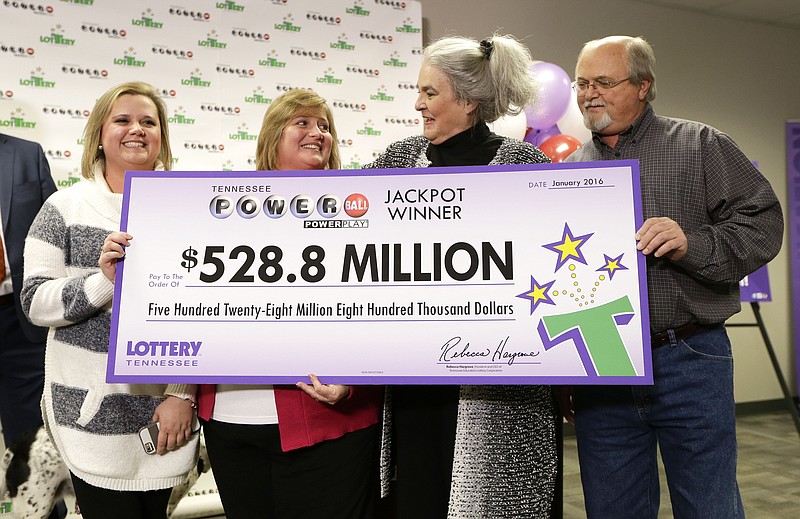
<point>282,110</point>
<point>494,73</point>
<point>92,154</point>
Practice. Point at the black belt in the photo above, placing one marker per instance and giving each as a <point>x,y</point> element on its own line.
<point>6,300</point>
<point>682,332</point>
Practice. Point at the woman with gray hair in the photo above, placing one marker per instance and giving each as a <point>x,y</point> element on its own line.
<point>471,451</point>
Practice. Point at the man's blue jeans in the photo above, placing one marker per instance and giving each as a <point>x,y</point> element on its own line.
<point>688,412</point>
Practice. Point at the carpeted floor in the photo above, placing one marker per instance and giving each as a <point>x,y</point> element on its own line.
<point>769,470</point>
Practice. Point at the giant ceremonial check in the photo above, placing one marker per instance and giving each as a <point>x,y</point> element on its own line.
<point>477,275</point>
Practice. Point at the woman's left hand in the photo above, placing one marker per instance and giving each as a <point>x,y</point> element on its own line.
<point>326,393</point>
<point>175,416</point>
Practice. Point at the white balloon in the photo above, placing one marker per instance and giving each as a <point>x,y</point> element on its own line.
<point>571,123</point>
<point>511,126</point>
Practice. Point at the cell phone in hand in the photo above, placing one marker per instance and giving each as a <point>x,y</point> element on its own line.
<point>149,437</point>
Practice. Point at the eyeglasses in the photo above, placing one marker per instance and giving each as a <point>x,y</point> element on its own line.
<point>601,85</point>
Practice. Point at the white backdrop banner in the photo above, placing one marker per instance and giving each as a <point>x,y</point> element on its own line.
<point>218,66</point>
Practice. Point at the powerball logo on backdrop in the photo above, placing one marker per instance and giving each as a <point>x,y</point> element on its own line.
<point>301,206</point>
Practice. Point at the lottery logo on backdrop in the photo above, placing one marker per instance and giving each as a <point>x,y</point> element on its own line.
<point>228,5</point>
<point>381,95</point>
<point>329,78</point>
<point>357,9</point>
<point>341,43</point>
<point>37,80</point>
<point>128,59</point>
<point>242,134</point>
<point>272,61</point>
<point>57,37</point>
<point>408,27</point>
<point>258,97</point>
<point>147,20</point>
<point>17,120</point>
<point>179,117</point>
<point>212,41</point>
<point>288,25</point>
<point>394,61</point>
<point>368,129</point>
<point>195,79</point>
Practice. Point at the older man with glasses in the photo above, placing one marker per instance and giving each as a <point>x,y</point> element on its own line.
<point>711,218</point>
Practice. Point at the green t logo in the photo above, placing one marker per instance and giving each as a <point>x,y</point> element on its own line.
<point>595,334</point>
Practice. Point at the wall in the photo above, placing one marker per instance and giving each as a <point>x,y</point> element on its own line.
<point>739,77</point>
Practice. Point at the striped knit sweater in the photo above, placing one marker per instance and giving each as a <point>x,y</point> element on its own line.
<point>94,424</point>
<point>505,446</point>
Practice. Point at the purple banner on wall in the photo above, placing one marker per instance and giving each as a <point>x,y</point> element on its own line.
<point>793,191</point>
<point>754,287</point>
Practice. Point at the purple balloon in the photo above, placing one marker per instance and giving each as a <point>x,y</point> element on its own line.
<point>536,137</point>
<point>555,94</point>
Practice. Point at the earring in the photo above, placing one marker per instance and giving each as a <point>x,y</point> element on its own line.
<point>100,147</point>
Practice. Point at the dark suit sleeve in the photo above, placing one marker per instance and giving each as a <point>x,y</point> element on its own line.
<point>45,178</point>
<point>32,185</point>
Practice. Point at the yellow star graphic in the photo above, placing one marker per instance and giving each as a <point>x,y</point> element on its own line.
<point>537,294</point>
<point>569,248</point>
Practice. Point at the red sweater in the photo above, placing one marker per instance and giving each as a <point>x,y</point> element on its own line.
<point>302,421</point>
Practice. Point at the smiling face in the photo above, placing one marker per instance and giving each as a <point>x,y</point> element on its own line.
<point>305,143</point>
<point>131,135</point>
<point>611,111</point>
<point>442,114</point>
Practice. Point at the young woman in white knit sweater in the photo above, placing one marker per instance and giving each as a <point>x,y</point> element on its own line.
<point>70,261</point>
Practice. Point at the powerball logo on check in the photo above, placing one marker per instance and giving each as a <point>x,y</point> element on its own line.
<point>301,206</point>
